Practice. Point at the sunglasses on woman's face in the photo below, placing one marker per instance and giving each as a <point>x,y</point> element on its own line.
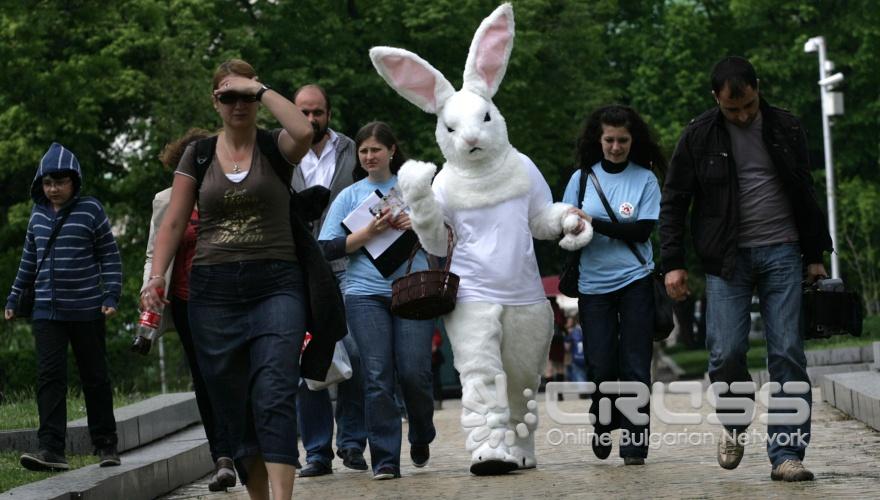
<point>232,98</point>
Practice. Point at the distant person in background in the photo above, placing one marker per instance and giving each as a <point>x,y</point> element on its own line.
<point>77,283</point>
<point>556,358</point>
<point>574,346</point>
<point>437,360</point>
<point>176,314</point>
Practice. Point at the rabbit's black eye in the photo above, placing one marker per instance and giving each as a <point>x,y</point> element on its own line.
<point>487,118</point>
<point>449,129</point>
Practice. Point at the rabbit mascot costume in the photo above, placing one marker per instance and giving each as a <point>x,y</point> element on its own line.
<point>495,200</point>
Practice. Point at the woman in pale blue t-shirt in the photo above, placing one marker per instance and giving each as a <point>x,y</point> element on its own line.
<point>616,303</point>
<point>391,348</point>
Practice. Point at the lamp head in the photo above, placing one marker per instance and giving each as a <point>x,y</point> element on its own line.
<point>812,45</point>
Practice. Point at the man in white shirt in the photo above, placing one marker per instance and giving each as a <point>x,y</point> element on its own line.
<point>330,163</point>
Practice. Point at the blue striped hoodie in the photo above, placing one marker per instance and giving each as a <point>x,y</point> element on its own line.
<point>83,270</point>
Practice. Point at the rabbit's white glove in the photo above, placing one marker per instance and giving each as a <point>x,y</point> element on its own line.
<point>572,242</point>
<point>414,179</point>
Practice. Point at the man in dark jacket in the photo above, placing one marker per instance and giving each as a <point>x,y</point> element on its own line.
<point>755,224</point>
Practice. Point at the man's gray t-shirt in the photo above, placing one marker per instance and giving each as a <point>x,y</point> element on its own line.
<point>765,213</point>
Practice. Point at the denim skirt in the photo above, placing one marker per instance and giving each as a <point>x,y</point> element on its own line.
<point>248,322</point>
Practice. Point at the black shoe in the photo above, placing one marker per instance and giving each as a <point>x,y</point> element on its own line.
<point>386,472</point>
<point>420,454</point>
<point>352,458</point>
<point>108,457</point>
<point>43,460</point>
<point>313,469</point>
<point>600,449</point>
<point>224,475</point>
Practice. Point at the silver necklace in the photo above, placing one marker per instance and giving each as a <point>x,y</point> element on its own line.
<point>235,168</point>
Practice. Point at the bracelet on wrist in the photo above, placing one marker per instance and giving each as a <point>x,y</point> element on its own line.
<point>157,276</point>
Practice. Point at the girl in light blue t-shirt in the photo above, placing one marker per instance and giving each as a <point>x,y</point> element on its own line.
<point>392,349</point>
<point>616,303</point>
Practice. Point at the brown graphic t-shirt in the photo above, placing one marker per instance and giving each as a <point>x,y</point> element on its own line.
<point>247,220</point>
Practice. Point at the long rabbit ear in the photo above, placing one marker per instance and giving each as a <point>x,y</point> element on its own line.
<point>489,53</point>
<point>412,77</point>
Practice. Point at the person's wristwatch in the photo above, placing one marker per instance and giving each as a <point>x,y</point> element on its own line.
<point>263,89</point>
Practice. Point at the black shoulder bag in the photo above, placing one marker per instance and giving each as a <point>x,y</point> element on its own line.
<point>663,314</point>
<point>570,275</point>
<point>28,296</point>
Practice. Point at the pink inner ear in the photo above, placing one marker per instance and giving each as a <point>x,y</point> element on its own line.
<point>412,77</point>
<point>492,50</point>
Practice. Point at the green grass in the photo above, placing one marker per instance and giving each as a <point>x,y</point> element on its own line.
<point>13,475</point>
<point>20,411</point>
<point>694,362</point>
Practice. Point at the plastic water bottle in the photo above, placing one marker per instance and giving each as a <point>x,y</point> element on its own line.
<point>147,330</point>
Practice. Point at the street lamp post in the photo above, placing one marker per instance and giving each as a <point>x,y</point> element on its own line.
<point>832,104</point>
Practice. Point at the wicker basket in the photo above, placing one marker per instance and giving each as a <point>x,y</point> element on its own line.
<point>425,294</point>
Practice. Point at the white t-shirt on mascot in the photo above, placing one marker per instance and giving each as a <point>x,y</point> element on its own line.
<point>494,254</point>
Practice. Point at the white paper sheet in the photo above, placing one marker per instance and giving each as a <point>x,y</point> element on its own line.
<point>361,216</point>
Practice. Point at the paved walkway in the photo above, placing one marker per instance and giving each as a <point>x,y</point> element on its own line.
<point>844,455</point>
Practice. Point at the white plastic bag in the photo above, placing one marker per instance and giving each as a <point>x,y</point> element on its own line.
<point>340,370</point>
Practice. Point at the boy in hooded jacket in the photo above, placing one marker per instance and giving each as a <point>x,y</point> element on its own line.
<point>77,284</point>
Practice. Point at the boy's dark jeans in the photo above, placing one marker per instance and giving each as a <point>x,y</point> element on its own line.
<point>89,349</point>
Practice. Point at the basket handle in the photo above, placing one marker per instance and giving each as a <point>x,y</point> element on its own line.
<point>449,250</point>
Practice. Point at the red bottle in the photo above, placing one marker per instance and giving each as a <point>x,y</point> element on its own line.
<point>147,330</point>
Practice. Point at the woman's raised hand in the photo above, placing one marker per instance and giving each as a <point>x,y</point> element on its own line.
<point>238,85</point>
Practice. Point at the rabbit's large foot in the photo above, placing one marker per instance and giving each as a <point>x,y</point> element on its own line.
<point>489,461</point>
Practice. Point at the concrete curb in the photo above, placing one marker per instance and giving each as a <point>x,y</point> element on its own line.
<point>671,364</point>
<point>829,361</point>
<point>856,394</point>
<point>136,425</point>
<point>145,473</point>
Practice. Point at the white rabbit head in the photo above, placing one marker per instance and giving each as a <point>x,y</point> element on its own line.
<point>471,132</point>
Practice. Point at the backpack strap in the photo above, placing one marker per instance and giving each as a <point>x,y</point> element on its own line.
<point>202,158</point>
<point>269,147</point>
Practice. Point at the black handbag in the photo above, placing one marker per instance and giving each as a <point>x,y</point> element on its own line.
<point>664,317</point>
<point>570,275</point>
<point>828,309</point>
<point>28,296</point>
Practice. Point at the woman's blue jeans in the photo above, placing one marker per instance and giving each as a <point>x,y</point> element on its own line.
<point>392,349</point>
<point>618,344</point>
<point>248,322</point>
<point>776,272</point>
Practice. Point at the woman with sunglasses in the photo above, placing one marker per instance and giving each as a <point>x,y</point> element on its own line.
<point>247,303</point>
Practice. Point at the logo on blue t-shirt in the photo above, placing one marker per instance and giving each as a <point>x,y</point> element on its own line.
<point>626,210</point>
